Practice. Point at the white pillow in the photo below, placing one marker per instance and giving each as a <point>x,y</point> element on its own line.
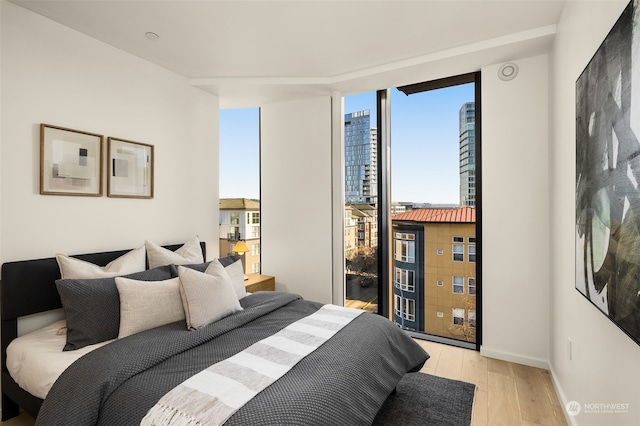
<point>206,298</point>
<point>148,304</point>
<point>190,252</point>
<point>128,263</point>
<point>236,274</point>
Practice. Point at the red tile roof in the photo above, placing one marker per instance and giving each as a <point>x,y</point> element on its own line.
<point>439,214</point>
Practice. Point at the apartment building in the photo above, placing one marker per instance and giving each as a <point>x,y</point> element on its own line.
<point>366,217</point>
<point>239,220</point>
<point>350,233</point>
<point>434,273</point>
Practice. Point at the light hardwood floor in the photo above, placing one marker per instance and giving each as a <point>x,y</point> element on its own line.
<point>506,394</point>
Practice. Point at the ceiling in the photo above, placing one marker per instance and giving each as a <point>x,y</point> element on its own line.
<point>260,49</point>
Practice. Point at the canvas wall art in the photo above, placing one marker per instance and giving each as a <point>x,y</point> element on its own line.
<point>608,176</point>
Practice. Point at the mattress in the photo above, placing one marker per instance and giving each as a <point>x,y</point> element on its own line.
<point>35,360</point>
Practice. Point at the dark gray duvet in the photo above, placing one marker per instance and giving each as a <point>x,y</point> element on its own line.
<point>344,382</point>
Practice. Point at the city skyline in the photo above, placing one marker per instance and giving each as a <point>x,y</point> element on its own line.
<point>425,151</point>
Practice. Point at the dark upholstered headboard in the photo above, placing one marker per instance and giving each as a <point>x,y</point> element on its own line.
<point>28,287</point>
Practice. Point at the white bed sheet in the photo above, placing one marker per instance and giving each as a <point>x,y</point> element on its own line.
<point>35,360</point>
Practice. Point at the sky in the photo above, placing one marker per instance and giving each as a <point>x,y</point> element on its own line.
<point>424,142</point>
<point>424,145</point>
<point>240,153</point>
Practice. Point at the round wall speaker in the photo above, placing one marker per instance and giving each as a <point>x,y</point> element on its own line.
<point>508,71</point>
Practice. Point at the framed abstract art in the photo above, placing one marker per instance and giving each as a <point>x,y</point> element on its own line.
<point>130,169</point>
<point>70,161</point>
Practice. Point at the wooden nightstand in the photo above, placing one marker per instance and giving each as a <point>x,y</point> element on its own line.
<point>259,282</point>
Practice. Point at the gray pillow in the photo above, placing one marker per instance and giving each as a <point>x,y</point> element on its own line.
<point>92,306</point>
<point>201,267</point>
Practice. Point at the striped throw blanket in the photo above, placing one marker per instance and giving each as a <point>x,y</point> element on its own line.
<point>215,394</point>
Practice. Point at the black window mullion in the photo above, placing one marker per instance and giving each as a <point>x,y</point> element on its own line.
<point>383,99</point>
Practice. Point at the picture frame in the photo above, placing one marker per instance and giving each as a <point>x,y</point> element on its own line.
<point>607,217</point>
<point>70,161</point>
<point>130,169</point>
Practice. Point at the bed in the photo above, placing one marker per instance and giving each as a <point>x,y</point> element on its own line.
<point>344,379</point>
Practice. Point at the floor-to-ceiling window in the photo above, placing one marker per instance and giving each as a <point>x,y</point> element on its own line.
<point>434,194</point>
<point>361,201</point>
<point>239,209</point>
<point>427,206</point>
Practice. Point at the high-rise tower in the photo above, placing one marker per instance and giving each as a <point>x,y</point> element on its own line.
<point>468,154</point>
<point>361,159</point>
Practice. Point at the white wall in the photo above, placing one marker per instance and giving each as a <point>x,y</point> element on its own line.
<point>51,74</point>
<point>605,366</point>
<point>515,276</point>
<point>296,199</point>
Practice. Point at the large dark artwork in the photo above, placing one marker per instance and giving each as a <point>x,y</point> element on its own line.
<point>608,174</point>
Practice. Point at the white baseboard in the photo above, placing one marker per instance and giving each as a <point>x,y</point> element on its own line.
<point>518,359</point>
<point>533,362</point>
<point>561,396</point>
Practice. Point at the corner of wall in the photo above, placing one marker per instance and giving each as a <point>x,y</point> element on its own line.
<point>515,358</point>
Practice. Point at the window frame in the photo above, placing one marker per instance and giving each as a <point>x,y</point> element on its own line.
<point>459,285</point>
<point>403,283</point>
<point>253,218</point>
<point>469,286</point>
<point>404,250</point>
<point>404,307</point>
<point>457,256</point>
<point>469,253</point>
<point>455,311</point>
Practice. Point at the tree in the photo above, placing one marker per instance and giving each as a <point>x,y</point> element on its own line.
<point>364,264</point>
<point>466,331</point>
